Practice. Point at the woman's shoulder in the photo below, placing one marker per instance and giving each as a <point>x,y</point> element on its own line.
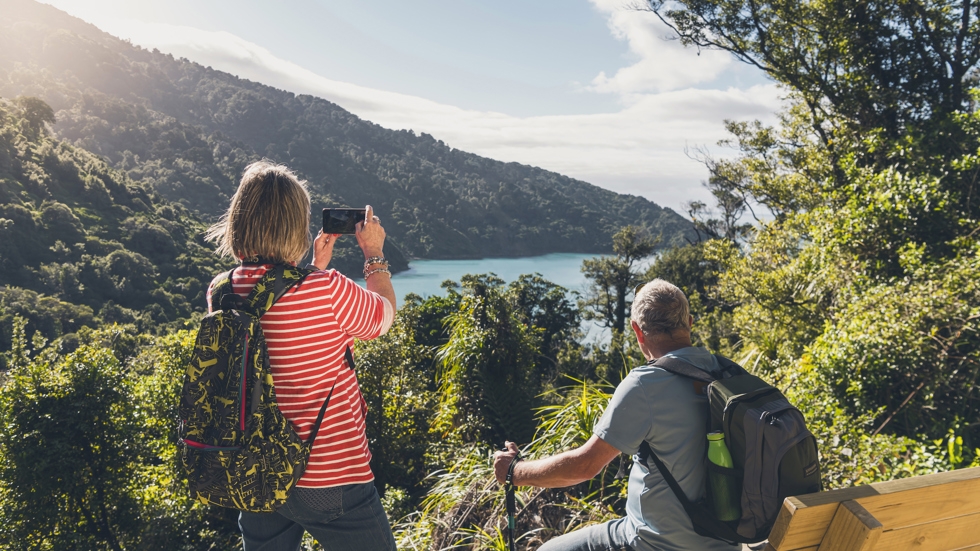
<point>323,276</point>
<point>326,279</point>
<point>332,282</point>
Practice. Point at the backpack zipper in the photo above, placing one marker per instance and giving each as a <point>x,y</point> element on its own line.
<point>734,403</point>
<point>244,372</point>
<point>802,435</point>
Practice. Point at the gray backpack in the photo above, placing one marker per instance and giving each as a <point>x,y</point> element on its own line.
<point>775,456</point>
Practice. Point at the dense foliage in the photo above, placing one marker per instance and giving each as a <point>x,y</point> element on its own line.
<point>858,282</point>
<point>81,243</point>
<point>186,131</point>
<point>89,449</point>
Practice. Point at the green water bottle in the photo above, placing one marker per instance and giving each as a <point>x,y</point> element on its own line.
<point>724,488</point>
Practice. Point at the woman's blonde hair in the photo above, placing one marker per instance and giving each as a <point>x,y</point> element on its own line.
<point>268,219</point>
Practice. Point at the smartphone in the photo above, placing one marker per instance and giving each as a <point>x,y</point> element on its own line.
<point>342,220</point>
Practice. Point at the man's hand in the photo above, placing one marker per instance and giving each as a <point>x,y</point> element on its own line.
<point>502,460</point>
<point>558,471</point>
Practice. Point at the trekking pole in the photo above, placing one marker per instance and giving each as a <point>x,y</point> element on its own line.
<point>511,502</point>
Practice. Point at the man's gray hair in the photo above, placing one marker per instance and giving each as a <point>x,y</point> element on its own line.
<point>660,307</point>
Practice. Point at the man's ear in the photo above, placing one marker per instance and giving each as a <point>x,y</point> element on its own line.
<point>637,331</point>
<point>690,321</point>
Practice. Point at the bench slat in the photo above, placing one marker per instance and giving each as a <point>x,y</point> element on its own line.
<point>804,520</point>
<point>953,533</point>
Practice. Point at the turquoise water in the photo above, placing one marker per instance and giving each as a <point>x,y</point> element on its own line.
<point>424,277</point>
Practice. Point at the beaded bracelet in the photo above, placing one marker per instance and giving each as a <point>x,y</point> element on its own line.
<point>375,260</point>
<point>366,271</point>
<point>376,270</point>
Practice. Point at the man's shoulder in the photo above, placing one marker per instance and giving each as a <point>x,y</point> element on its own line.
<point>698,357</point>
<point>654,385</point>
<point>695,356</point>
<point>653,382</point>
<point>647,374</point>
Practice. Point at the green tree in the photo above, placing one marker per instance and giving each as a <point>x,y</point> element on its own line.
<point>63,250</point>
<point>35,113</point>
<point>487,385</point>
<point>697,275</point>
<point>859,65</point>
<point>612,279</point>
<point>550,309</point>
<point>428,318</point>
<point>726,184</point>
<point>90,457</point>
<point>69,448</point>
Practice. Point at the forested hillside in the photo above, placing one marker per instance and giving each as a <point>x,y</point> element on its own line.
<point>82,244</point>
<point>187,131</point>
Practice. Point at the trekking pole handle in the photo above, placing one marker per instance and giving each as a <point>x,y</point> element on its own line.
<point>511,502</point>
<point>509,488</point>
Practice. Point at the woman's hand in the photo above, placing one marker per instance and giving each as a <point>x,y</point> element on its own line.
<point>370,235</point>
<point>323,249</point>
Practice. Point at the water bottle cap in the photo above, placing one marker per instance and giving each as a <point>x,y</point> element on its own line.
<point>716,436</point>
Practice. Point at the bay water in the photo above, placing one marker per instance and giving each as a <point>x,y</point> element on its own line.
<point>424,277</point>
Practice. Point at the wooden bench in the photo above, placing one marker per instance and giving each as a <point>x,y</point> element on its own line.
<point>939,512</point>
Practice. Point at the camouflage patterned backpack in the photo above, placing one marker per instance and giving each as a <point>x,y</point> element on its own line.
<point>239,450</point>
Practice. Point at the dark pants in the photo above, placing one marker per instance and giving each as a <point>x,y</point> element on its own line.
<point>345,518</point>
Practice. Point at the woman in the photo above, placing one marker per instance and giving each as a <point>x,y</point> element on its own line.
<point>307,332</point>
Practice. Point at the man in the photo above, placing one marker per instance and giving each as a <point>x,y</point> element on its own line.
<point>650,404</point>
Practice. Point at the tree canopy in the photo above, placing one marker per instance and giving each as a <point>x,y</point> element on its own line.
<point>856,284</point>
<point>882,65</point>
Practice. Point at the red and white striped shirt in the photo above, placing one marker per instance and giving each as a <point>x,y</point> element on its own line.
<point>307,332</point>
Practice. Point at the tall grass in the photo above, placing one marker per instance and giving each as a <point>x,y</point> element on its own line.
<point>465,507</point>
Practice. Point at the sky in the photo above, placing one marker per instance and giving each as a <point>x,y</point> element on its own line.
<point>593,89</point>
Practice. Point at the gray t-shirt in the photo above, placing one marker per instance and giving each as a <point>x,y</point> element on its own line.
<point>663,409</point>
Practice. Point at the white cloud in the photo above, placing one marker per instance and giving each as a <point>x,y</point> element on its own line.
<point>662,64</point>
<point>637,150</point>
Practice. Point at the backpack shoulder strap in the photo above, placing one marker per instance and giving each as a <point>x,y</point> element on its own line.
<point>273,286</point>
<point>729,368</point>
<point>221,288</point>
<point>702,519</point>
<point>682,368</point>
